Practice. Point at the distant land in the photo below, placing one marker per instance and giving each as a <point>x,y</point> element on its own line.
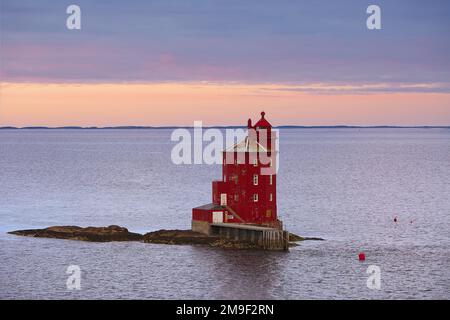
<point>223,127</point>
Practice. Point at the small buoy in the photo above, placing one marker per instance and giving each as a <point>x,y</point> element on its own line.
<point>362,256</point>
<point>395,219</point>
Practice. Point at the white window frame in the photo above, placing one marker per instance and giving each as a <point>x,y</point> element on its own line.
<point>223,199</point>
<point>271,197</point>
<point>255,179</point>
<point>271,179</point>
<point>255,197</point>
<point>255,162</point>
<point>216,215</point>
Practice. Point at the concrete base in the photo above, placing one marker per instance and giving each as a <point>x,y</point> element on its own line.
<point>264,237</point>
<point>201,227</point>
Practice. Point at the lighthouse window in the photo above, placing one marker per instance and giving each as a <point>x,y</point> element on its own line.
<point>225,177</point>
<point>255,197</point>
<point>255,162</point>
<point>255,179</point>
<point>271,197</point>
<point>236,197</point>
<point>270,179</point>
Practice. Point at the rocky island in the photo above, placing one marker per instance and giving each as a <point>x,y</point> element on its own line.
<point>117,233</point>
<point>93,234</point>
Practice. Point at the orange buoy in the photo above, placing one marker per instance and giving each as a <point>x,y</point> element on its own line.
<point>362,256</point>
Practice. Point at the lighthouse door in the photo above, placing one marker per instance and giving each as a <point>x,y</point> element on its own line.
<point>223,199</point>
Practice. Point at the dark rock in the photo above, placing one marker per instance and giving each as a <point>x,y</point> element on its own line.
<point>295,238</point>
<point>178,237</point>
<point>189,237</point>
<point>313,238</point>
<point>94,234</point>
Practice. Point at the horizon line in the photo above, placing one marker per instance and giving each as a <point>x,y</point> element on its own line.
<point>229,127</point>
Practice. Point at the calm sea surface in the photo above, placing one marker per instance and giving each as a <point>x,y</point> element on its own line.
<point>344,185</point>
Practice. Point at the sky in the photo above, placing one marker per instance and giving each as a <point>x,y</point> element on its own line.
<point>171,62</point>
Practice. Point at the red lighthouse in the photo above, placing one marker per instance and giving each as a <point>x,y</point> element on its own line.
<point>247,192</point>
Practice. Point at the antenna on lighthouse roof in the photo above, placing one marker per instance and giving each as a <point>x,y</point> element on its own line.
<point>263,114</point>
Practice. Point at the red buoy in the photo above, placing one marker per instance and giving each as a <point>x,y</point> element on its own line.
<point>362,256</point>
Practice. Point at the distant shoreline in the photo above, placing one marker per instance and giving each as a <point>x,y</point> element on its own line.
<point>219,127</point>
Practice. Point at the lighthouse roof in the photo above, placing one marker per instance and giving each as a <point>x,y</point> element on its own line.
<point>263,123</point>
<point>211,206</point>
<point>246,146</point>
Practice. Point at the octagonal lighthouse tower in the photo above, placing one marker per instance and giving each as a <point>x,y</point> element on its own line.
<point>246,196</point>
